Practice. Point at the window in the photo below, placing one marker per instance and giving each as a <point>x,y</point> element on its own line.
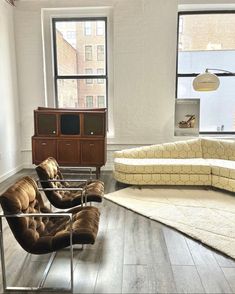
<point>76,75</point>
<point>89,101</point>
<point>99,28</point>
<point>87,28</point>
<point>70,34</point>
<point>101,102</point>
<point>88,71</point>
<point>206,40</point>
<point>100,71</point>
<point>100,52</point>
<point>88,53</point>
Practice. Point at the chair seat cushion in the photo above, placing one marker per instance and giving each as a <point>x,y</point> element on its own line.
<point>222,168</point>
<point>162,166</point>
<point>55,233</point>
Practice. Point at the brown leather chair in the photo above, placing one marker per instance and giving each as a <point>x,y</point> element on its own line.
<point>63,193</point>
<point>40,231</point>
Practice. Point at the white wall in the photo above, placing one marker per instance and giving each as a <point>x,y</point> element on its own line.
<point>144,42</point>
<point>144,60</point>
<point>10,148</point>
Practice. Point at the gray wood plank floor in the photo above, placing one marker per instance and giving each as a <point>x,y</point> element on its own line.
<point>132,254</point>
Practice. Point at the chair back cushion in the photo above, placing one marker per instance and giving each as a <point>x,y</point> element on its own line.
<point>49,170</point>
<point>23,197</point>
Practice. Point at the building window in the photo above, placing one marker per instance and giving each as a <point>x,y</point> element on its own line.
<point>100,71</point>
<point>100,52</point>
<point>99,28</point>
<point>206,41</point>
<point>89,101</point>
<point>88,71</point>
<point>75,68</point>
<point>88,53</point>
<point>87,28</point>
<point>101,102</point>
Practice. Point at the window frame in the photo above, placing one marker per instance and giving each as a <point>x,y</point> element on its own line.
<point>188,75</point>
<point>79,76</point>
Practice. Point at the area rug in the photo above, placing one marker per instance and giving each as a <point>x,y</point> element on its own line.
<point>205,215</point>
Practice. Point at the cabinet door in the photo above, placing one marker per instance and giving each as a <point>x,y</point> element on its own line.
<point>92,152</point>
<point>68,151</point>
<point>43,149</point>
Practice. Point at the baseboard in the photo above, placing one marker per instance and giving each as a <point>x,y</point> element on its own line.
<point>10,173</point>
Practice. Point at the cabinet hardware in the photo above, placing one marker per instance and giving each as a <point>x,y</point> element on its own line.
<point>92,145</point>
<point>44,143</point>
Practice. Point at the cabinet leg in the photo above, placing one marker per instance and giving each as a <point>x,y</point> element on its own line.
<point>97,172</point>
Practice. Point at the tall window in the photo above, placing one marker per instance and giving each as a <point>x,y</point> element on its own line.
<point>99,28</point>
<point>100,71</point>
<point>101,102</point>
<point>89,101</point>
<point>88,52</point>
<point>75,66</point>
<point>87,28</point>
<point>88,71</point>
<point>206,40</point>
<point>100,52</point>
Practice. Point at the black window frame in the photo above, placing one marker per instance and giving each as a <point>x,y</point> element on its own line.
<point>79,76</point>
<point>197,73</point>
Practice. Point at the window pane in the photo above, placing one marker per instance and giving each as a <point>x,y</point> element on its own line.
<point>217,108</point>
<point>78,48</point>
<point>206,41</point>
<point>73,93</point>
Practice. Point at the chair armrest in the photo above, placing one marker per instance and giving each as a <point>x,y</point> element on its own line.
<point>68,189</point>
<point>60,189</point>
<point>63,180</point>
<point>64,214</point>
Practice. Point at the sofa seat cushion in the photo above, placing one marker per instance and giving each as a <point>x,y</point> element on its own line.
<point>162,166</point>
<point>222,168</point>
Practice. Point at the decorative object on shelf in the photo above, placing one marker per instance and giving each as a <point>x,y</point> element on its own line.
<point>11,2</point>
<point>188,122</point>
<point>187,114</point>
<point>208,81</point>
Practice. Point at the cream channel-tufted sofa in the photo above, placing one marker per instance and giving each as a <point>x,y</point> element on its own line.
<point>204,162</point>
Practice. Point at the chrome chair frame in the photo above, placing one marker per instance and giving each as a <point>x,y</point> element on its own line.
<point>46,271</point>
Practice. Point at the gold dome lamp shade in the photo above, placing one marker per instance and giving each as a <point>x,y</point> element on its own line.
<point>208,81</point>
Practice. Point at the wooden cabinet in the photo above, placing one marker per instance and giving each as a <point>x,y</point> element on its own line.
<point>72,137</point>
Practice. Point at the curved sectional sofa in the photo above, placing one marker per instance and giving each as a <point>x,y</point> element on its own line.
<point>204,162</point>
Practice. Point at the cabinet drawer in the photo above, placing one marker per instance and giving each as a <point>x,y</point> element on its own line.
<point>68,151</point>
<point>43,149</point>
<point>92,152</point>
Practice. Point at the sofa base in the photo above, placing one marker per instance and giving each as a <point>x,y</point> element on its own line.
<point>164,179</point>
<point>223,183</point>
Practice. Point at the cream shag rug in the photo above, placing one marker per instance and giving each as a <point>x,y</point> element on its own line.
<point>205,215</point>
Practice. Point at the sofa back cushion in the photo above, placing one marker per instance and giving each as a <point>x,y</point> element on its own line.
<point>181,149</point>
<point>219,149</point>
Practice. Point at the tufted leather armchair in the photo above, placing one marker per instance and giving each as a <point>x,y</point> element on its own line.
<point>39,231</point>
<point>63,193</point>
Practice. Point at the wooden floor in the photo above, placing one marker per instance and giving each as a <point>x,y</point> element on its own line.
<point>132,254</point>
